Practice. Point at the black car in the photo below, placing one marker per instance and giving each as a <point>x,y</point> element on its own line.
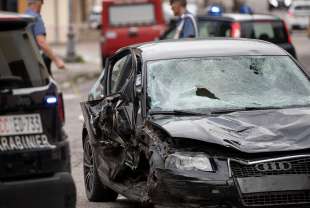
<point>264,27</point>
<point>34,150</point>
<point>199,123</point>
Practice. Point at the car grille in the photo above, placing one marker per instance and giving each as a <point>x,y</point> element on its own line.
<point>299,166</point>
<point>276,198</point>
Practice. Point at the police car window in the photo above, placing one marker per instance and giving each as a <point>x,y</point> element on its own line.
<point>272,31</point>
<point>214,29</point>
<point>117,74</point>
<point>19,64</point>
<point>170,33</point>
<point>303,7</point>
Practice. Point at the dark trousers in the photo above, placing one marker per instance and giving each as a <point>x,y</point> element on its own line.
<point>48,63</point>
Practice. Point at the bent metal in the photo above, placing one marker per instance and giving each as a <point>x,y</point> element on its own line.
<point>24,142</point>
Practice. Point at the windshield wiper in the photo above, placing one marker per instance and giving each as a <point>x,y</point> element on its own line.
<point>177,113</point>
<point>226,111</point>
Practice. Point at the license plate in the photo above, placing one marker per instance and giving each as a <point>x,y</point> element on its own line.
<point>20,125</point>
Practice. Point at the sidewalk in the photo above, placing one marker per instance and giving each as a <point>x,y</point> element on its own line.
<point>89,69</point>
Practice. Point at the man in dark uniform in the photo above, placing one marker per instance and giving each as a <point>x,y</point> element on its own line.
<point>187,25</point>
<point>39,32</point>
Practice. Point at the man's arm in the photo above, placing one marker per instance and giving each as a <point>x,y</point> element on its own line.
<point>188,28</point>
<point>41,40</point>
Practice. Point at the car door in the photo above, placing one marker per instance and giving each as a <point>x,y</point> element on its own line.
<point>111,120</point>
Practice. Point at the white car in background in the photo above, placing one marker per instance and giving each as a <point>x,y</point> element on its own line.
<point>299,14</point>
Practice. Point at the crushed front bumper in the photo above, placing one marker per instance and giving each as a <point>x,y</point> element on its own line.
<point>173,189</point>
<point>176,189</point>
<point>50,192</point>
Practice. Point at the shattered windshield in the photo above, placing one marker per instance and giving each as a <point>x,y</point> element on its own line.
<point>226,83</point>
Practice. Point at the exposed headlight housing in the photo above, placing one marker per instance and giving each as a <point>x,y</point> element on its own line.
<point>189,161</point>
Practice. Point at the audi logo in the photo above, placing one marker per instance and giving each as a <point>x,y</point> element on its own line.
<point>273,166</point>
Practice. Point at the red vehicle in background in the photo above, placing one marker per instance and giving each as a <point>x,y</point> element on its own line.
<point>126,22</point>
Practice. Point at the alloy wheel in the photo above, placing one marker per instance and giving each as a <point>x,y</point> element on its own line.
<point>88,164</point>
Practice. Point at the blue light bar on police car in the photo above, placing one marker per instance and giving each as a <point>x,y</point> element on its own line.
<point>215,10</point>
<point>51,99</point>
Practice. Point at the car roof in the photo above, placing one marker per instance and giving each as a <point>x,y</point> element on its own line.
<point>14,17</point>
<point>13,21</point>
<point>171,49</point>
<point>242,17</point>
<point>127,1</point>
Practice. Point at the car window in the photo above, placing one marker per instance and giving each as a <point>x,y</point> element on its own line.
<point>120,72</point>
<point>208,83</point>
<point>206,28</point>
<point>98,89</point>
<point>170,33</point>
<point>19,62</point>
<point>214,29</point>
<point>302,8</point>
<point>271,31</point>
<point>136,14</point>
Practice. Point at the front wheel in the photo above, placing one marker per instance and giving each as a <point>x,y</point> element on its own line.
<point>95,190</point>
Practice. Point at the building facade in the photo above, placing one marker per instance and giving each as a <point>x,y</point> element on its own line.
<point>9,5</point>
<point>56,15</point>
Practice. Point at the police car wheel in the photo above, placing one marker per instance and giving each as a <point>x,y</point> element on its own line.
<point>95,190</point>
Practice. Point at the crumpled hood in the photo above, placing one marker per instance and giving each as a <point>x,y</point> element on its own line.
<point>247,131</point>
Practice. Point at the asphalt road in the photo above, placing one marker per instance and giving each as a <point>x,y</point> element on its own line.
<point>73,95</point>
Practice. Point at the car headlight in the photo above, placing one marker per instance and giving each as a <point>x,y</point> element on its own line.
<point>189,161</point>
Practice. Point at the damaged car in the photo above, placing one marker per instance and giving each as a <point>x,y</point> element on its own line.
<point>199,123</point>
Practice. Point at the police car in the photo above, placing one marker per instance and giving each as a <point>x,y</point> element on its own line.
<point>34,150</point>
<point>258,26</point>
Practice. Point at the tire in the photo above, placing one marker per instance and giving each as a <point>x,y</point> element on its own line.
<point>95,190</point>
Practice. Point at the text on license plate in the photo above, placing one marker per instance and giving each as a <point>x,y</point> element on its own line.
<point>20,124</point>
